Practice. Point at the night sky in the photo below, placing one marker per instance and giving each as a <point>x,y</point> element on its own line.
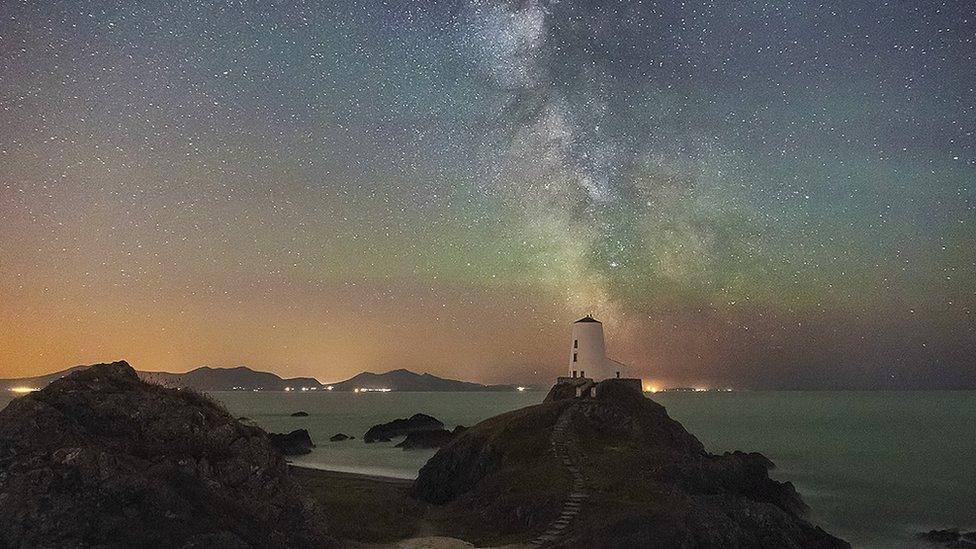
<point>748,194</point>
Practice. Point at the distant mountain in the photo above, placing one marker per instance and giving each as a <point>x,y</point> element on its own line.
<point>405,380</point>
<point>37,382</point>
<point>243,378</point>
<point>240,378</point>
<point>201,379</point>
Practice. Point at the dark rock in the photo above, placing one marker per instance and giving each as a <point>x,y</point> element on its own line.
<point>951,538</point>
<point>384,432</point>
<point>300,414</point>
<point>100,458</point>
<point>295,443</point>
<point>651,482</point>
<point>940,536</point>
<point>340,437</point>
<point>428,439</point>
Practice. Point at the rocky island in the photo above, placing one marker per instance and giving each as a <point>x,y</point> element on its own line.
<point>384,432</point>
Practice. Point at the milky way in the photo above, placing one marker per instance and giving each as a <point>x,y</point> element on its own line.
<point>750,195</point>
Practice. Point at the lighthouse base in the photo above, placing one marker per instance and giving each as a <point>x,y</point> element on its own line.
<point>586,387</point>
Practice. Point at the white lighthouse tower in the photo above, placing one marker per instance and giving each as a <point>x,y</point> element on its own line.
<point>588,355</point>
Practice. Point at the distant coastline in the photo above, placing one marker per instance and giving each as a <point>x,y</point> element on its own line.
<point>242,378</point>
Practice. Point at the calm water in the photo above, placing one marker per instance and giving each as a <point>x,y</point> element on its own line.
<point>874,467</point>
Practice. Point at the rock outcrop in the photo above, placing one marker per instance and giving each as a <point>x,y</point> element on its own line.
<point>295,443</point>
<point>648,481</point>
<point>385,432</point>
<point>339,437</point>
<point>300,413</point>
<point>951,538</point>
<point>435,438</point>
<point>102,458</point>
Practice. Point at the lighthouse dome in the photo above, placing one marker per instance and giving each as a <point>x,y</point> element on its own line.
<point>587,318</point>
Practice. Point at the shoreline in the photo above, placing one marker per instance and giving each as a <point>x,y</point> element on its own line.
<point>350,475</point>
<point>377,512</point>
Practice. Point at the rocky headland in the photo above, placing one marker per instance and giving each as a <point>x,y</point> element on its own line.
<point>101,458</point>
<point>612,470</point>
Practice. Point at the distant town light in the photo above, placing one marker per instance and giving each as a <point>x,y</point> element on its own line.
<point>288,388</point>
<point>371,390</point>
<point>22,389</point>
<point>520,389</point>
<point>329,388</point>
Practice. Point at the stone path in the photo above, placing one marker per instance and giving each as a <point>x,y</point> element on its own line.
<point>565,447</point>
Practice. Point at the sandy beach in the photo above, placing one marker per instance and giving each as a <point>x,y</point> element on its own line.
<point>372,511</point>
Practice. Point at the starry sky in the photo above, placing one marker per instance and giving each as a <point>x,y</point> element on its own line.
<point>750,194</point>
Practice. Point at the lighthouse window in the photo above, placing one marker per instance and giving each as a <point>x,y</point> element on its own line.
<point>576,344</point>
<point>574,357</point>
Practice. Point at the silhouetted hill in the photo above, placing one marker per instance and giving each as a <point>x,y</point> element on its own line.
<point>405,380</point>
<point>240,378</point>
<point>102,459</point>
<point>37,382</point>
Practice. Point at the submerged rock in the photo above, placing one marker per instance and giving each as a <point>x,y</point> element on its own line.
<point>339,437</point>
<point>384,432</point>
<point>647,481</point>
<point>102,458</point>
<point>295,443</point>
<point>300,414</point>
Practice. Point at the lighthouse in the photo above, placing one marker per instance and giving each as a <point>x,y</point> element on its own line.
<point>588,355</point>
<point>589,367</point>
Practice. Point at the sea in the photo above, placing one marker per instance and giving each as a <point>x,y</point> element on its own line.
<point>874,467</point>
